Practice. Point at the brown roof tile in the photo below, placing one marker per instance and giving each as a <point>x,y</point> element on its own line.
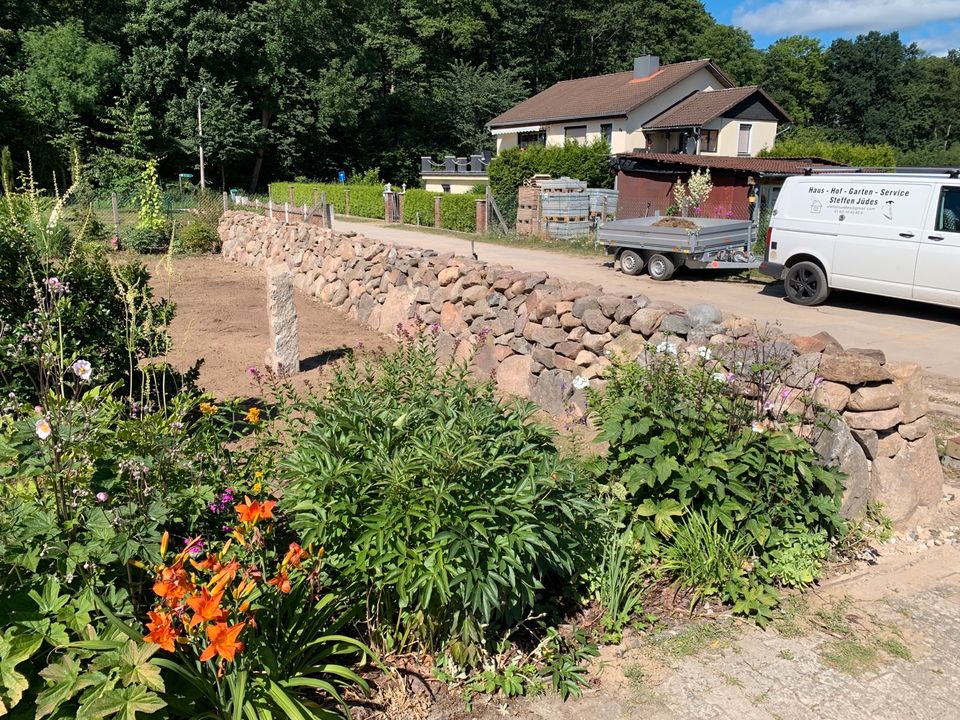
<point>703,106</point>
<point>637,162</point>
<point>600,95</point>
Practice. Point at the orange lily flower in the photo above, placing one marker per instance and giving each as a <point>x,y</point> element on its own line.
<point>253,511</point>
<point>210,562</point>
<point>162,632</point>
<point>226,575</point>
<point>223,641</point>
<point>172,584</point>
<point>164,541</point>
<point>294,555</point>
<point>281,581</point>
<point>206,608</point>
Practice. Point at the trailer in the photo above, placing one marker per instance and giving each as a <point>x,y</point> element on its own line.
<point>664,244</point>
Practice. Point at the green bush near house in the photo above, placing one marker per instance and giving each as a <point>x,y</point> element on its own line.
<point>813,143</point>
<point>459,212</point>
<point>590,163</point>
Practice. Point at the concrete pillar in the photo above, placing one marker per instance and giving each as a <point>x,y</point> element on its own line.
<point>436,211</point>
<point>400,197</point>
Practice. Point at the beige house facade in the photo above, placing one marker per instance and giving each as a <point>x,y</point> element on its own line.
<point>690,107</point>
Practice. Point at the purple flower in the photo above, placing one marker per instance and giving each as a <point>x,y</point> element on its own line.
<point>196,548</point>
<point>817,381</point>
<point>785,393</point>
<point>102,496</point>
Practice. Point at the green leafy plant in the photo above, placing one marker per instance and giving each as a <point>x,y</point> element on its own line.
<point>451,514</point>
<point>198,237</point>
<point>511,167</point>
<point>619,583</point>
<point>798,558</point>
<point>144,240</point>
<point>703,559</point>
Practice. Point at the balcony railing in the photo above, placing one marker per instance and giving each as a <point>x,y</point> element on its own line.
<point>473,165</point>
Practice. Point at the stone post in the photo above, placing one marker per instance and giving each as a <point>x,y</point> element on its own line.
<point>346,201</point>
<point>290,200</point>
<point>226,202</point>
<point>436,210</point>
<point>283,355</point>
<point>481,217</point>
<point>400,197</point>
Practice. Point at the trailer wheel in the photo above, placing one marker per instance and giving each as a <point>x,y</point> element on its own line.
<point>660,267</point>
<point>806,284</point>
<point>630,262</point>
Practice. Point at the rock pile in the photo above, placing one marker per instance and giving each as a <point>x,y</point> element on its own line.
<point>535,334</point>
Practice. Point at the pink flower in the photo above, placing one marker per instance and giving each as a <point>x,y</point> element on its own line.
<point>102,496</point>
<point>43,429</point>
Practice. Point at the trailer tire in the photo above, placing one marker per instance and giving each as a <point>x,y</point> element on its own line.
<point>660,267</point>
<point>806,284</point>
<point>631,263</point>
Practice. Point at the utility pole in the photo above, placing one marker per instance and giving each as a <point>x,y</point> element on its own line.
<point>203,176</point>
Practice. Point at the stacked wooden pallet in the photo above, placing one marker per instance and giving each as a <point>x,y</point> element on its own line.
<point>561,208</point>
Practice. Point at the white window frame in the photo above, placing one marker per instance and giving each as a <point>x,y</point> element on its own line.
<point>740,128</point>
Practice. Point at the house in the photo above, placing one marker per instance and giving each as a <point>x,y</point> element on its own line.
<point>688,107</point>
<point>646,181</point>
<point>455,175</point>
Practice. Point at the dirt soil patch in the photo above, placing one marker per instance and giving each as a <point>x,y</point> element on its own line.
<point>222,318</point>
<point>676,223</point>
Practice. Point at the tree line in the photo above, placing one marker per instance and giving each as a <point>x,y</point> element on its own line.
<point>305,88</point>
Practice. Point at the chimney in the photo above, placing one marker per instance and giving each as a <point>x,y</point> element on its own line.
<point>645,66</point>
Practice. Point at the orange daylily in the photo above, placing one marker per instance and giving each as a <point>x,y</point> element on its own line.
<point>210,562</point>
<point>253,511</point>
<point>162,632</point>
<point>226,575</point>
<point>294,555</point>
<point>172,584</point>
<point>281,581</point>
<point>223,641</point>
<point>253,415</point>
<point>206,608</point>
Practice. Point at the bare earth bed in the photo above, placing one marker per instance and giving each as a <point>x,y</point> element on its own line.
<point>878,641</point>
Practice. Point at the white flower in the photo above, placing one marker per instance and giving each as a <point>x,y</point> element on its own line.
<point>580,382</point>
<point>82,369</point>
<point>757,426</point>
<point>43,429</point>
<point>720,377</point>
<point>704,352</point>
<point>667,347</point>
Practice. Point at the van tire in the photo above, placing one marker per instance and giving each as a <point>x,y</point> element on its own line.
<point>806,284</point>
<point>660,267</point>
<point>631,263</point>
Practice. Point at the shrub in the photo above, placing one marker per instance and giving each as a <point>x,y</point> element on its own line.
<point>198,237</point>
<point>144,240</point>
<point>449,513</point>
<point>590,163</point>
<point>683,441</point>
<point>809,142</point>
<point>418,201</point>
<point>458,212</point>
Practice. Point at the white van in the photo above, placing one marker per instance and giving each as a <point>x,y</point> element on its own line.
<point>887,233</point>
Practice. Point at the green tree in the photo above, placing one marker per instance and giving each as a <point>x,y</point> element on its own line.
<point>731,48</point>
<point>794,76</point>
<point>865,78</point>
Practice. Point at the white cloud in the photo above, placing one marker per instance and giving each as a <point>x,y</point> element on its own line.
<point>810,16</point>
<point>945,39</point>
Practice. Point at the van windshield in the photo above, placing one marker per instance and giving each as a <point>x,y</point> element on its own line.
<point>948,216</point>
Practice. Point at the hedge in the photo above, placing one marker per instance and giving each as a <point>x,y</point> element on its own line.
<point>457,212</point>
<point>590,163</point>
<point>809,144</point>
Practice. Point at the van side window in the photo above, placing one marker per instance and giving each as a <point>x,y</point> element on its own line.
<point>948,212</point>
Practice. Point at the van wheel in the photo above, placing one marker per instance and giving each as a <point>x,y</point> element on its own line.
<point>630,263</point>
<point>660,267</point>
<point>806,284</point>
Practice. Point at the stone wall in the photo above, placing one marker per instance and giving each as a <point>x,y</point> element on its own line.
<point>534,334</point>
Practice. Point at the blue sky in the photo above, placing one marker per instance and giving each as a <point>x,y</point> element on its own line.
<point>933,24</point>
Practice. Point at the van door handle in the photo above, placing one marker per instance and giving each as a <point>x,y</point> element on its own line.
<point>935,237</point>
<point>906,235</point>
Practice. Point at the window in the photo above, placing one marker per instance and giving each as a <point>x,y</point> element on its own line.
<point>536,137</point>
<point>445,187</point>
<point>577,133</point>
<point>743,142</point>
<point>708,140</point>
<point>948,211</point>
<point>606,133</point>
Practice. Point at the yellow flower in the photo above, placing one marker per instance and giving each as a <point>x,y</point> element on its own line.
<point>208,408</point>
<point>258,474</point>
<point>257,487</point>
<point>253,416</point>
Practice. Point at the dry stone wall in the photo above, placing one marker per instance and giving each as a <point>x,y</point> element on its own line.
<point>534,334</point>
